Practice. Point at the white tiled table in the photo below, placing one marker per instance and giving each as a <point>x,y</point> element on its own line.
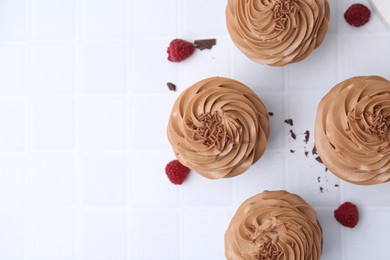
<point>83,111</point>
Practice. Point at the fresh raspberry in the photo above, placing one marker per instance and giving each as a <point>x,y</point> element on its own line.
<point>176,172</point>
<point>357,15</point>
<point>179,50</point>
<point>347,214</point>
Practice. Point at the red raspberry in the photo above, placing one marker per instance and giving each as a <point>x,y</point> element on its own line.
<point>347,214</point>
<point>357,15</point>
<point>179,50</point>
<point>176,172</point>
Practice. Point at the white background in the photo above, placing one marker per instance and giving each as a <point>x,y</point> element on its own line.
<point>83,113</point>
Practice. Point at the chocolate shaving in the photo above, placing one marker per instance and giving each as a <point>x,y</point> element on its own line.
<point>292,151</point>
<point>205,44</point>
<point>321,190</point>
<point>336,185</point>
<point>213,131</point>
<point>293,135</point>
<point>307,136</point>
<point>171,86</point>
<point>319,159</point>
<point>306,153</point>
<point>314,151</point>
<point>270,113</point>
<point>289,122</point>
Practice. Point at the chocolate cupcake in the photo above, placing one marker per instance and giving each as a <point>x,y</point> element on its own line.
<point>218,127</point>
<point>274,225</point>
<point>277,32</point>
<point>352,130</point>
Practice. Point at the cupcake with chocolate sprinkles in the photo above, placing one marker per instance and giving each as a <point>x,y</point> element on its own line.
<point>274,225</point>
<point>352,130</point>
<point>218,127</point>
<point>277,32</point>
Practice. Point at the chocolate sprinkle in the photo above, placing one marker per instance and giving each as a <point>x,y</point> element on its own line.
<point>289,121</point>
<point>292,151</point>
<point>205,44</point>
<point>270,113</point>
<point>318,179</point>
<point>171,86</point>
<point>293,135</point>
<point>336,185</point>
<point>281,10</point>
<point>307,136</point>
<point>213,132</point>
<point>306,153</point>
<point>322,190</point>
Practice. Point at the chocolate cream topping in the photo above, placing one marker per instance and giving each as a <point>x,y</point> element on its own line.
<point>218,127</point>
<point>352,130</point>
<point>274,225</point>
<point>277,32</point>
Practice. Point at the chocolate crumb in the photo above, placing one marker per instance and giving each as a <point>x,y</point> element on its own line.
<point>171,86</point>
<point>293,135</point>
<point>289,122</point>
<point>292,151</point>
<point>319,159</point>
<point>336,185</point>
<point>307,136</point>
<point>306,153</point>
<point>205,44</point>
<point>270,113</point>
<point>314,151</point>
<point>321,190</point>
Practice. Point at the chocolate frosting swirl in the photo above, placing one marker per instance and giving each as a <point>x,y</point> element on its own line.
<point>218,127</point>
<point>277,32</point>
<point>274,225</point>
<point>352,130</point>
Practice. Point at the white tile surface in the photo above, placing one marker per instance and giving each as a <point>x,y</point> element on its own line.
<point>50,234</point>
<point>12,117</point>
<point>84,108</point>
<point>103,235</point>
<point>52,19</point>
<point>104,179</point>
<point>12,180</point>
<point>104,67</point>
<point>12,242</point>
<point>52,68</point>
<point>53,124</point>
<point>51,178</point>
<point>12,66</point>
<point>103,18</point>
<point>148,227</point>
<point>102,123</point>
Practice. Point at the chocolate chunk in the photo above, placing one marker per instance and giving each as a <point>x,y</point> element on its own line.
<point>270,113</point>
<point>307,136</point>
<point>171,86</point>
<point>319,159</point>
<point>293,135</point>
<point>289,121</point>
<point>205,44</point>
